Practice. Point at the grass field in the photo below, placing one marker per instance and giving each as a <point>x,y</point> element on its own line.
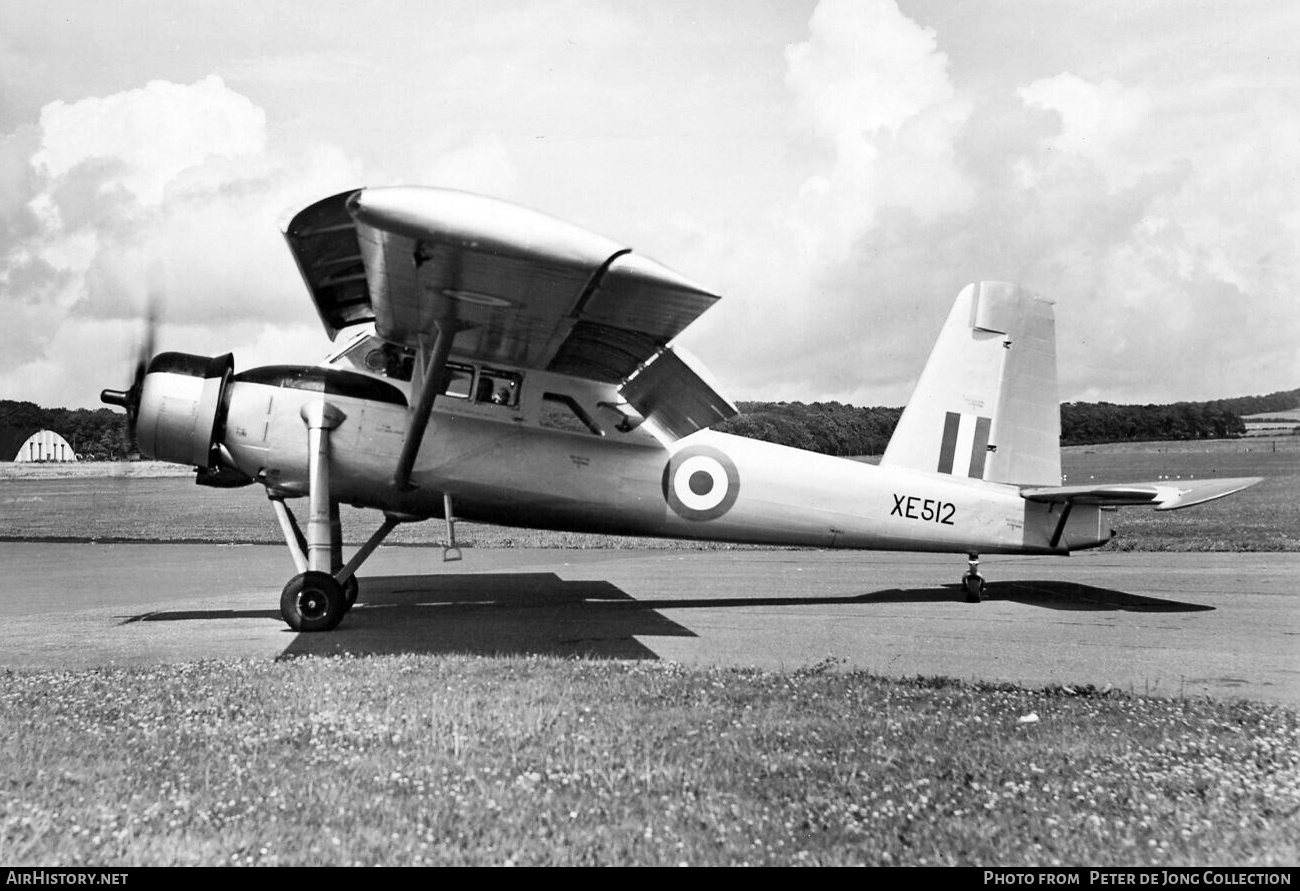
<point>1265,517</point>
<point>451,760</point>
<point>159,502</point>
<point>1273,423</point>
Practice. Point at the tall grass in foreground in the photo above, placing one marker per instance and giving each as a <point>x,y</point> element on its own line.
<point>438,760</point>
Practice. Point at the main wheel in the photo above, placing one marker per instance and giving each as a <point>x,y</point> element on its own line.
<point>974,586</point>
<point>351,588</point>
<point>313,601</point>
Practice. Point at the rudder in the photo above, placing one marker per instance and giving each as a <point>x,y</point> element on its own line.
<point>985,406</point>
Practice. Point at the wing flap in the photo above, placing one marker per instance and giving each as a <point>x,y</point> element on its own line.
<point>1162,495</point>
<point>673,393</point>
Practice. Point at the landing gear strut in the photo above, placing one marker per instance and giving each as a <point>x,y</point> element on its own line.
<point>325,588</point>
<point>972,582</point>
<point>314,600</point>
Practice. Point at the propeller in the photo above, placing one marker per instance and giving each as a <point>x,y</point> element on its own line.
<point>129,399</point>
<point>176,404</point>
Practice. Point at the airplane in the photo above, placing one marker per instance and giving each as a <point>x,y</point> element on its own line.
<point>503,366</point>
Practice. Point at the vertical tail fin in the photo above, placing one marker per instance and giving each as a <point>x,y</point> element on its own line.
<point>986,404</point>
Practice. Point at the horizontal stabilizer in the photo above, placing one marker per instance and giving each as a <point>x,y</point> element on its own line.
<point>1160,495</point>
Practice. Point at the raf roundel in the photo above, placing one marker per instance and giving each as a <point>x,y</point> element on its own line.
<point>701,483</point>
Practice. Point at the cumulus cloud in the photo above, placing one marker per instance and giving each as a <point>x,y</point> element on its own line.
<point>1097,120</point>
<point>879,113</point>
<point>166,187</point>
<point>1176,239</point>
<point>1165,230</point>
<point>874,88</point>
<point>150,135</point>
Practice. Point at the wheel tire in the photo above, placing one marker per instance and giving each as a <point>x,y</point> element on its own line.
<point>974,586</point>
<point>351,588</point>
<point>313,601</point>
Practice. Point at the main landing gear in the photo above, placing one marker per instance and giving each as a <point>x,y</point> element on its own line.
<point>325,588</point>
<point>318,599</point>
<point>972,582</point>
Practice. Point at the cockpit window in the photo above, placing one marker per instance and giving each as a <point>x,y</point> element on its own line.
<point>380,357</point>
<point>498,387</point>
<point>460,380</point>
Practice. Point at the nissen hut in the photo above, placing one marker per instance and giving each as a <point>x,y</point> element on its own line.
<point>41,445</point>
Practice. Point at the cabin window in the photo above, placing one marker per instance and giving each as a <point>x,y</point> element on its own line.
<point>498,387</point>
<point>459,380</point>
<point>561,412</point>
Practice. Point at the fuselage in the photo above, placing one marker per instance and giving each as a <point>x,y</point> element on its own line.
<point>555,453</point>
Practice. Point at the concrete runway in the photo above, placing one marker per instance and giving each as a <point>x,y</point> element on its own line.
<point>1224,625</point>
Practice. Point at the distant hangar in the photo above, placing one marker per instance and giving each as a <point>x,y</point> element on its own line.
<point>34,445</point>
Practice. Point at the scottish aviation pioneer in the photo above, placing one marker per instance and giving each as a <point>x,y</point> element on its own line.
<point>502,366</point>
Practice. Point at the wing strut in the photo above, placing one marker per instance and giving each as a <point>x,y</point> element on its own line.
<point>435,365</point>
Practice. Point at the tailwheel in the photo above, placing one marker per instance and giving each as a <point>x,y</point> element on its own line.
<point>972,582</point>
<point>313,601</point>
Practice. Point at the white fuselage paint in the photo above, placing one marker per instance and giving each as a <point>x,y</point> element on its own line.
<point>499,467</point>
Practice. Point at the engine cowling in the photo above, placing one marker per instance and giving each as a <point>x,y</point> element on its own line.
<point>183,407</point>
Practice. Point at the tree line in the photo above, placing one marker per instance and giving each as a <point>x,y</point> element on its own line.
<point>1283,400</point>
<point>831,428</point>
<point>837,429</point>
<point>1083,423</point>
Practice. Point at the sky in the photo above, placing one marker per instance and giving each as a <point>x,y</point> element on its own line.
<point>836,169</point>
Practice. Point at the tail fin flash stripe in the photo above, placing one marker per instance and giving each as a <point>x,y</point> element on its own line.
<point>965,444</point>
<point>980,447</point>
<point>951,423</point>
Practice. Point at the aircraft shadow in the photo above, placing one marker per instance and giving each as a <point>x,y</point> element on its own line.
<point>539,613</point>
<point>532,613</point>
<point>1074,596</point>
<point>1045,594</point>
<point>189,615</point>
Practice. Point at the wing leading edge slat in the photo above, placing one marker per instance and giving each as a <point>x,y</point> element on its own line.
<point>324,244</point>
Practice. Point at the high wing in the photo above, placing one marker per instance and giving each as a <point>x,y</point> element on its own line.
<point>1161,495</point>
<point>509,286</point>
